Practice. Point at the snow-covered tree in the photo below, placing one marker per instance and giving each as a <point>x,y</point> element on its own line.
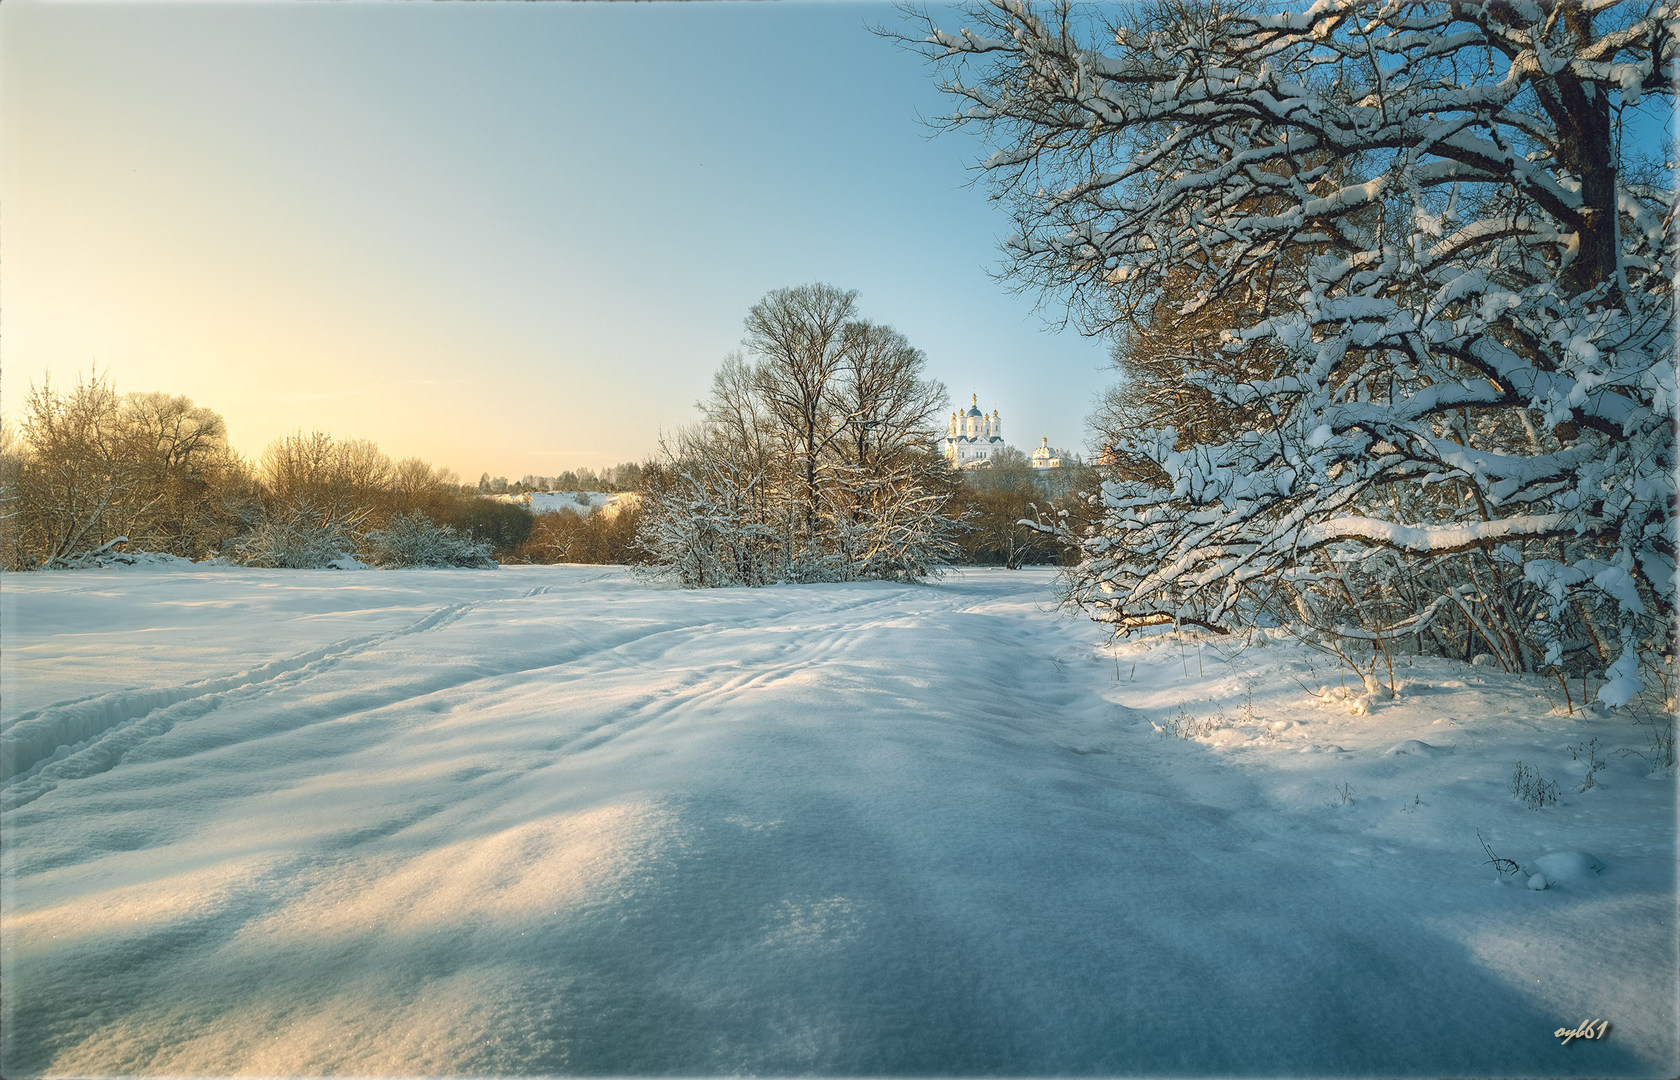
<point>1445,282</point>
<point>799,339</point>
<point>813,461</point>
<point>198,493</point>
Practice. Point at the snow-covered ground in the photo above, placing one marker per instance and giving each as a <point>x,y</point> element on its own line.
<point>552,820</point>
<point>581,503</point>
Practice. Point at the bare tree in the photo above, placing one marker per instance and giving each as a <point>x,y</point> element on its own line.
<point>736,416</point>
<point>199,493</point>
<point>815,458</point>
<point>77,472</point>
<point>883,402</point>
<point>336,479</point>
<point>417,486</point>
<point>797,336</point>
<point>11,497</point>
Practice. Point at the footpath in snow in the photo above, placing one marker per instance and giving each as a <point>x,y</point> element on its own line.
<point>552,820</point>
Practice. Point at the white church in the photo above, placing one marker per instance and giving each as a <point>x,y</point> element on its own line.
<point>1048,457</point>
<point>972,439</point>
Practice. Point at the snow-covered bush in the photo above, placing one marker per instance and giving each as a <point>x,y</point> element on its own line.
<point>87,560</point>
<point>1414,268</point>
<point>413,540</point>
<point>705,522</point>
<point>299,538</point>
<point>894,527</point>
<point>114,553</point>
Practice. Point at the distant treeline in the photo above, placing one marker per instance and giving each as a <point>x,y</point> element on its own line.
<point>993,500</point>
<point>87,466</point>
<point>628,476</point>
<point>606,536</point>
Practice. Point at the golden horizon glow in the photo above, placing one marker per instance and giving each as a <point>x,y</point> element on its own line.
<point>496,239</point>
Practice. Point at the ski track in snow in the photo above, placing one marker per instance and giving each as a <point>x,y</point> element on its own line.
<point>547,820</point>
<point>82,726</point>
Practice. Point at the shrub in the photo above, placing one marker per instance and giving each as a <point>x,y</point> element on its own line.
<point>299,538</point>
<point>413,540</point>
<point>1534,792</point>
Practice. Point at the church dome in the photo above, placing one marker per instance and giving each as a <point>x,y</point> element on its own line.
<point>973,438</point>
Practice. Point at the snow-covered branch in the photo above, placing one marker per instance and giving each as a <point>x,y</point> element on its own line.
<point>1421,305</point>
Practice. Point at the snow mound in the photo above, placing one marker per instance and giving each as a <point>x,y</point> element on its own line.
<point>1417,747</point>
<point>1595,709</point>
<point>108,558</point>
<point>144,558</point>
<point>1569,866</point>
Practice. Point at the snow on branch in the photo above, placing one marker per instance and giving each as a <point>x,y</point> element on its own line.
<point>1384,278</point>
<point>1434,539</point>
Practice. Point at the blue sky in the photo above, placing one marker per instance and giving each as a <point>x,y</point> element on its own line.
<point>515,238</point>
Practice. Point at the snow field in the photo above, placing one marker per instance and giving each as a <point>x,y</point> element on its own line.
<point>1403,791</point>
<point>581,503</point>
<point>550,820</point>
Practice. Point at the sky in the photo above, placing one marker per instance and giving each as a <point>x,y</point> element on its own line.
<point>504,238</point>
